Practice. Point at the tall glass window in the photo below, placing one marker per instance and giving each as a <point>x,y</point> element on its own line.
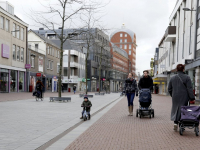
<point>22,54</point>
<point>13,30</point>
<point>13,85</point>
<point>21,81</point>
<point>2,22</point>
<point>14,52</point>
<point>22,34</point>
<point>4,80</point>
<point>18,53</point>
<point>17,32</point>
<point>7,25</point>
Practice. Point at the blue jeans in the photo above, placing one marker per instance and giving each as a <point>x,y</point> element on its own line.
<point>130,98</point>
<point>88,113</point>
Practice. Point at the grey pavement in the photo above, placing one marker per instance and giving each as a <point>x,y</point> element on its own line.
<point>27,124</point>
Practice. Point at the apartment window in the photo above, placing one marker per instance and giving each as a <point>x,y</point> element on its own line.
<point>18,53</point>
<point>36,47</point>
<point>14,52</point>
<point>183,46</point>
<point>48,64</point>
<point>22,34</point>
<point>121,34</point>
<point>52,51</point>
<point>2,22</point>
<point>7,25</point>
<point>120,40</point>
<point>120,46</point>
<point>125,46</point>
<point>32,61</point>
<point>129,46</point>
<point>125,35</point>
<point>58,68</point>
<point>125,40</point>
<point>129,52</point>
<point>58,54</point>
<point>22,54</point>
<point>51,65</point>
<point>48,49</point>
<point>13,31</point>
<point>17,32</point>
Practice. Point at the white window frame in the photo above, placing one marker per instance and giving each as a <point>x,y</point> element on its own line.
<point>32,61</point>
<point>125,40</point>
<point>129,52</point>
<point>14,51</point>
<point>48,49</point>
<point>125,35</point>
<point>2,20</point>
<point>13,30</point>
<point>121,34</point>
<point>22,54</point>
<point>18,52</point>
<point>125,46</point>
<point>17,32</point>
<point>51,65</point>
<point>22,34</point>
<point>7,25</point>
<point>130,46</point>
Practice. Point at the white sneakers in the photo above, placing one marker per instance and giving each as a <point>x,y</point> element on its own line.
<point>175,127</point>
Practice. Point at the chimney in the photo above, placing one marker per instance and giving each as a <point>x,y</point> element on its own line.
<point>41,28</point>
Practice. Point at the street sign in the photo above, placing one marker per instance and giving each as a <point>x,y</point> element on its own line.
<point>27,66</point>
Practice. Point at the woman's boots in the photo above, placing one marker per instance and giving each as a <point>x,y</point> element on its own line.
<point>130,109</point>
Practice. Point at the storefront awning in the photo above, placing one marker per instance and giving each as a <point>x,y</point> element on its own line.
<point>160,78</point>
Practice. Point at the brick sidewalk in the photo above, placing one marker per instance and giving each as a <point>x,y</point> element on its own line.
<point>117,131</point>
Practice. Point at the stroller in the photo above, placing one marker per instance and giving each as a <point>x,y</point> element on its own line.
<point>190,116</point>
<point>37,95</point>
<point>145,98</point>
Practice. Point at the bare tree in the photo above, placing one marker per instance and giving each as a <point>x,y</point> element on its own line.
<point>65,12</point>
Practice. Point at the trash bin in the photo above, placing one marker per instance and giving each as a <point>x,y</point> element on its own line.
<point>69,90</point>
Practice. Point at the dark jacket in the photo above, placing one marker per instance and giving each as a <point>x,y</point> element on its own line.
<point>130,86</point>
<point>74,88</point>
<point>86,104</point>
<point>146,83</point>
<point>40,84</point>
<point>180,94</point>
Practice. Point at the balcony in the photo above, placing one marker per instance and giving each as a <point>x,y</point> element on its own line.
<point>170,34</point>
<point>73,64</point>
<point>73,52</point>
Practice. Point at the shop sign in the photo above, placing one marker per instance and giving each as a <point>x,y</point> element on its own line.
<point>38,74</point>
<point>55,77</point>
<point>188,61</point>
<point>5,51</point>
<point>27,66</point>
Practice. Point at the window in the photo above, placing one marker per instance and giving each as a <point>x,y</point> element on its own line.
<point>48,49</point>
<point>52,51</point>
<point>121,34</point>
<point>51,65</point>
<point>2,22</point>
<point>125,46</point>
<point>22,54</point>
<point>48,64</point>
<point>120,40</point>
<point>129,46</point>
<point>125,40</point>
<point>18,53</point>
<point>22,34</point>
<point>129,52</point>
<point>120,46</point>
<point>58,54</point>
<point>36,47</point>
<point>58,68</point>
<point>125,35</point>
<point>7,25</point>
<point>17,32</point>
<point>32,61</point>
<point>14,52</point>
<point>13,31</point>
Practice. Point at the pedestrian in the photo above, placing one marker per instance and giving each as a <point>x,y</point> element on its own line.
<point>130,90</point>
<point>74,89</point>
<point>86,104</point>
<point>39,87</point>
<point>145,82</point>
<point>180,89</point>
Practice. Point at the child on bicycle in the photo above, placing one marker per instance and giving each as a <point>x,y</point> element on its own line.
<point>86,106</point>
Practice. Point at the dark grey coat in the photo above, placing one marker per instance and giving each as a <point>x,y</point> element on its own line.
<point>180,95</point>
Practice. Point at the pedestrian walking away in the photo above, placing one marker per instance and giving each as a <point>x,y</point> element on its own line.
<point>145,82</point>
<point>74,89</point>
<point>181,91</point>
<point>86,106</point>
<point>130,90</point>
<point>39,87</point>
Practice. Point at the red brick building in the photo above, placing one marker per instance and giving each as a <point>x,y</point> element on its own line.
<point>119,63</point>
<point>126,40</point>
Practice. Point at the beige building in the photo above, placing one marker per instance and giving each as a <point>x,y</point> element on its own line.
<point>13,45</point>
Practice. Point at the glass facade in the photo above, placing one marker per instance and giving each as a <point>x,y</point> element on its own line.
<point>13,82</point>
<point>21,81</point>
<point>4,84</point>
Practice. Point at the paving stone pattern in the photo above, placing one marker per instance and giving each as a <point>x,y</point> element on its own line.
<point>117,131</point>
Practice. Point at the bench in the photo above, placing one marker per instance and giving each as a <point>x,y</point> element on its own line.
<point>64,99</point>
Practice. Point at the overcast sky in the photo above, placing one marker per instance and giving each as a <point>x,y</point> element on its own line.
<point>148,19</point>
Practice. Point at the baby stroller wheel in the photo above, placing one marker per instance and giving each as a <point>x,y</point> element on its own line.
<point>181,131</point>
<point>137,113</point>
<point>197,131</point>
<point>150,116</point>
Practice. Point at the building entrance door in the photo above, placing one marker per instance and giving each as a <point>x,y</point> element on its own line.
<point>4,82</point>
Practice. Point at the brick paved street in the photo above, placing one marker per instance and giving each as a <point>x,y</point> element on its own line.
<point>117,131</point>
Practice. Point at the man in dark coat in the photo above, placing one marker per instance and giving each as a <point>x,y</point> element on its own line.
<point>181,91</point>
<point>39,87</point>
<point>145,82</point>
<point>74,89</point>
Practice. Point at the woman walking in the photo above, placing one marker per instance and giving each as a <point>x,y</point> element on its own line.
<point>130,89</point>
<point>181,91</point>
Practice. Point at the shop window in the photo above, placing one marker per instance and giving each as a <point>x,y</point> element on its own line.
<point>4,80</point>
<point>14,52</point>
<point>7,25</point>
<point>22,54</point>
<point>2,22</point>
<point>13,85</point>
<point>21,81</point>
<point>17,32</point>
<point>18,53</point>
